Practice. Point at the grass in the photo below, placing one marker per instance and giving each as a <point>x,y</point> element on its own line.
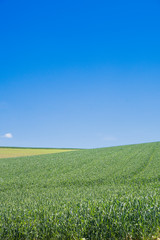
<point>108,193</point>
<point>20,152</point>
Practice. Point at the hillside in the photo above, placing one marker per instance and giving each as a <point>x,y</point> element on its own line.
<point>7,152</point>
<point>107,193</point>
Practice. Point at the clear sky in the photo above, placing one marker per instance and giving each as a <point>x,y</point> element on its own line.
<point>79,73</point>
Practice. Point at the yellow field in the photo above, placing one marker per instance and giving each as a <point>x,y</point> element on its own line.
<point>19,152</point>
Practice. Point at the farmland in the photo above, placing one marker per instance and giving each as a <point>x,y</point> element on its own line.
<point>107,193</point>
<point>20,152</point>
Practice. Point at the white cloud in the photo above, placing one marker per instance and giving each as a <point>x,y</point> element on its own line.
<point>8,135</point>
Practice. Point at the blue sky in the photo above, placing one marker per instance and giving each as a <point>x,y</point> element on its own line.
<point>79,73</point>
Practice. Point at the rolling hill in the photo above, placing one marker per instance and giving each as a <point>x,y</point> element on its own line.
<point>106,193</point>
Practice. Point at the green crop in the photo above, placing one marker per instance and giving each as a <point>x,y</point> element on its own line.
<point>108,193</point>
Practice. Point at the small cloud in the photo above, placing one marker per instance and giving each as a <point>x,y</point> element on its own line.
<point>8,135</point>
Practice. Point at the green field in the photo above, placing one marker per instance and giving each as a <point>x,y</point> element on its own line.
<point>107,193</point>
